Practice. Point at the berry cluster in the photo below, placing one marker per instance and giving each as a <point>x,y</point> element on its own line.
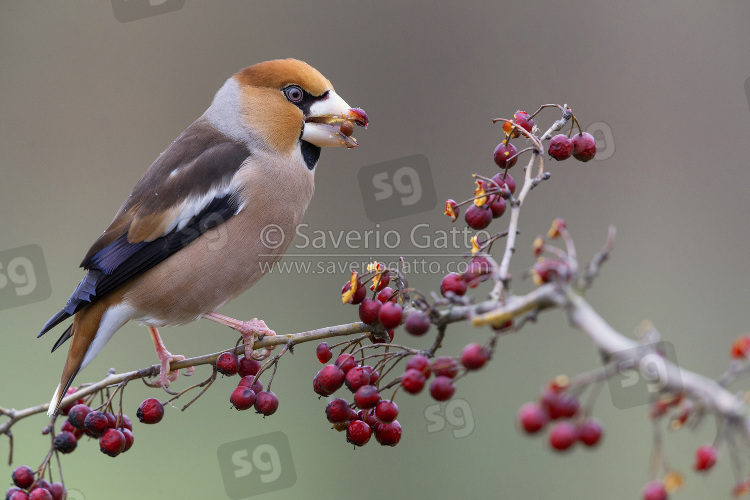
<point>28,487</point>
<point>115,433</point>
<point>249,392</point>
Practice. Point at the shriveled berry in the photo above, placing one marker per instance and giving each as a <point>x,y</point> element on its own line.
<point>358,433</point>
<point>532,417</point>
<point>129,439</point>
<point>40,494</point>
<point>358,296</point>
<point>497,207</point>
<point>96,422</point>
<point>151,411</point>
<point>413,381</point>
<point>266,403</point>
<point>242,397</point>
<point>590,432</point>
<point>419,363</point>
<point>346,361</point>
<point>478,217</point>
<point>386,411</point>
<point>474,356</point>
<point>323,352</point>
<point>65,442</point>
<point>77,416</point>
<point>248,366</point>
<point>380,340</point>
<point>453,283</point>
<point>23,476</point>
<point>705,457</point>
<point>562,436</point>
<point>505,155</point>
<point>390,314</point>
<point>442,388</point>
<point>367,397</point>
<point>560,147</point>
<point>58,491</point>
<point>505,178</point>
<point>65,409</point>
<point>226,363</point>
<point>417,323</point>
<point>112,443</point>
<point>338,410</point>
<point>328,380</point>
<point>584,146</point>
<point>385,278</point>
<point>388,434</point>
<point>445,366</point>
<point>385,295</point>
<point>740,347</point>
<point>547,270</point>
<point>654,491</point>
<point>368,310</point>
<point>452,209</point>
<point>357,377</point>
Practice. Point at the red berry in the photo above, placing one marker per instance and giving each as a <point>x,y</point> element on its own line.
<point>497,207</point>
<point>125,422</point>
<point>242,397</point>
<point>323,352</point>
<point>358,296</point>
<point>65,442</point>
<point>368,417</point>
<point>96,422</point>
<point>445,366</point>
<point>523,120</point>
<point>453,283</point>
<point>388,434</point>
<point>151,411</point>
<point>420,363</point>
<point>266,403</point>
<point>129,439</point>
<point>111,420</point>
<point>474,356</point>
<point>505,155</point>
<point>551,403</point>
<point>584,146</point>
<point>568,405</point>
<point>374,375</point>
<point>390,314</point>
<point>248,366</point>
<point>67,426</point>
<point>77,416</point>
<point>560,147</point>
<point>478,217</point>
<point>417,323</point>
<point>505,178</point>
<point>385,295</point>
<point>590,432</point>
<point>654,491</point>
<point>40,494</point>
<point>328,380</point>
<point>15,493</point>
<point>58,491</point>
<point>386,411</point>
<point>357,377</point>
<point>368,310</point>
<point>367,397</point>
<point>479,270</point>
<point>740,347</point>
<point>338,410</point>
<point>65,409</point>
<point>252,383</point>
<point>442,388</point>
<point>358,433</point>
<point>532,417</point>
<point>23,476</point>
<point>385,278</point>
<point>413,381</point>
<point>112,443</point>
<point>226,363</point>
<point>562,436</point>
<point>346,361</point>
<point>705,457</point>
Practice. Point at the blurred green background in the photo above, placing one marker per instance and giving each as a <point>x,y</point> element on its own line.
<point>87,102</point>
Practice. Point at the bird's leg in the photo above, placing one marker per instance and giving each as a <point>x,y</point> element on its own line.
<point>250,331</point>
<point>165,357</point>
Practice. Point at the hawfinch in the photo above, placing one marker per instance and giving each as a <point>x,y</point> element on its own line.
<point>188,239</point>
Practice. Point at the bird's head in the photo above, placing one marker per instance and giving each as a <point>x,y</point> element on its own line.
<point>286,100</point>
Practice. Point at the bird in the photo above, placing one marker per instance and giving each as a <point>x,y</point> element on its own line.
<point>209,216</point>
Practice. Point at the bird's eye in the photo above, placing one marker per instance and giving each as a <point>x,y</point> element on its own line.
<point>294,93</point>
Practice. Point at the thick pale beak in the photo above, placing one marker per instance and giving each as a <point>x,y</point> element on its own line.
<point>330,122</point>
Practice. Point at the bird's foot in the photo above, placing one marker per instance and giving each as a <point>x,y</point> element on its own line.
<point>166,375</point>
<point>250,330</point>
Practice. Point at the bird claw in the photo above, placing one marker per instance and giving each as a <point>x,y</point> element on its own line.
<point>167,376</point>
<point>251,331</point>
